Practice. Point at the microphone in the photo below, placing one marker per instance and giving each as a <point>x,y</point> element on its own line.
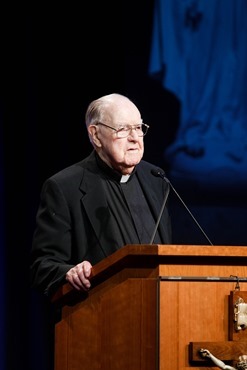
<point>155,173</point>
<point>158,173</point>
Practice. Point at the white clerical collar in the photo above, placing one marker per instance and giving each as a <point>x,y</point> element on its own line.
<point>124,178</point>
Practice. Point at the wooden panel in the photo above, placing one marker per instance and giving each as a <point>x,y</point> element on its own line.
<point>112,329</point>
<point>190,269</point>
<point>61,345</point>
<point>121,324</point>
<point>129,328</point>
<point>191,312</point>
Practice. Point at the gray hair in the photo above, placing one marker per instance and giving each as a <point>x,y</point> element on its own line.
<point>96,109</point>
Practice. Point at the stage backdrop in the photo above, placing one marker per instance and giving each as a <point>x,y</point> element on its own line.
<point>199,52</point>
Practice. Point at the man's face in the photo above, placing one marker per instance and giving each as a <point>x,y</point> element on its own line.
<point>123,154</point>
<point>120,153</point>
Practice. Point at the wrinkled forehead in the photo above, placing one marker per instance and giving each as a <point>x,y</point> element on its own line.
<point>122,113</point>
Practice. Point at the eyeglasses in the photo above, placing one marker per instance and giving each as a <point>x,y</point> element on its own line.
<point>125,131</point>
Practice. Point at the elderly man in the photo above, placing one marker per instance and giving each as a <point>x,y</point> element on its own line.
<point>92,208</point>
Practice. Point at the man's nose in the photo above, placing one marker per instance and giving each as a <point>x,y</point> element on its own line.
<point>133,133</point>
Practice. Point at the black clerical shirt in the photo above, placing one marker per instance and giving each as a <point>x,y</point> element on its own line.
<point>131,215</point>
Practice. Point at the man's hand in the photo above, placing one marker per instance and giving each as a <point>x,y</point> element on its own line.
<point>78,276</point>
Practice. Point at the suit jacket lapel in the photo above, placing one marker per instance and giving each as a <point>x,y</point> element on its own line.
<point>95,205</point>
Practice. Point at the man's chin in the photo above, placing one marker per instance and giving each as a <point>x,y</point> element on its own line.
<point>133,158</point>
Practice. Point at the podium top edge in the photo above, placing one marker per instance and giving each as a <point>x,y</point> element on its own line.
<point>159,253</point>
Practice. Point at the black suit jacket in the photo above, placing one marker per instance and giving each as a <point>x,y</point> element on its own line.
<point>74,222</point>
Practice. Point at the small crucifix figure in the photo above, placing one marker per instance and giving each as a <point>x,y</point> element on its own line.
<point>234,351</point>
<point>241,364</point>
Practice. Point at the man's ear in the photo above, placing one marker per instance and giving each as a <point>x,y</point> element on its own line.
<point>93,135</point>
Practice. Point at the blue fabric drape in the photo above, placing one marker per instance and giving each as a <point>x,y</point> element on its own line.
<point>199,52</point>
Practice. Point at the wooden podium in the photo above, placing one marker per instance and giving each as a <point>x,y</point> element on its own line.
<point>151,307</point>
